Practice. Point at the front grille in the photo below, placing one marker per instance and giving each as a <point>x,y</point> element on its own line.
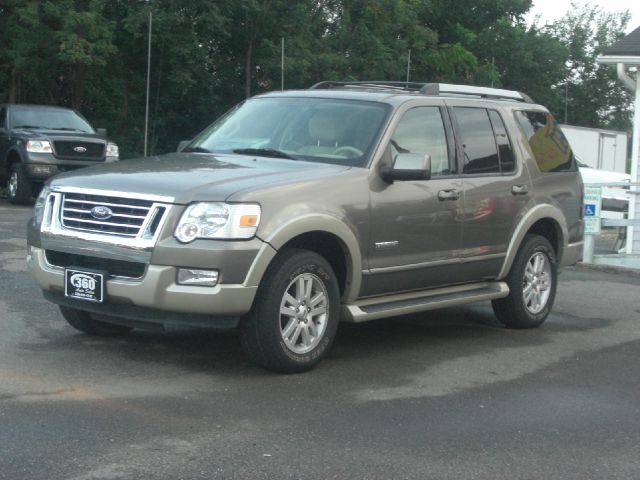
<point>117,268</point>
<point>92,151</point>
<point>128,215</point>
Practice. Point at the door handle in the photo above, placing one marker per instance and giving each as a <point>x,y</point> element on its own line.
<point>520,189</point>
<point>448,195</point>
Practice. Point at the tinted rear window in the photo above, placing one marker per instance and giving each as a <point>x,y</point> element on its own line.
<point>548,144</point>
<point>478,143</point>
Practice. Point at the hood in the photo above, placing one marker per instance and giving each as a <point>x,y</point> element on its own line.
<point>41,134</point>
<point>593,175</point>
<point>189,177</point>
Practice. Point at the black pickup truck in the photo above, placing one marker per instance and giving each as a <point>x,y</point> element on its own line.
<point>38,142</point>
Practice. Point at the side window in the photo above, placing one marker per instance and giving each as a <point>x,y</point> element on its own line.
<point>421,130</point>
<point>548,144</point>
<point>505,151</point>
<point>478,142</point>
<point>3,116</point>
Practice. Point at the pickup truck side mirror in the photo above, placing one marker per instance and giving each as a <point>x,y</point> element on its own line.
<point>408,166</point>
<point>102,132</point>
<point>182,145</point>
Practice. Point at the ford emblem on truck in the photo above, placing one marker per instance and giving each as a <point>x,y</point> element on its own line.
<point>79,149</point>
<point>100,212</point>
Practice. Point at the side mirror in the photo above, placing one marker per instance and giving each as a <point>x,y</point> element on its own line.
<point>102,132</point>
<point>182,145</point>
<point>408,166</point>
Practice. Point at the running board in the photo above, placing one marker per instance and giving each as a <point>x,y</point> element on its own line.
<point>413,302</point>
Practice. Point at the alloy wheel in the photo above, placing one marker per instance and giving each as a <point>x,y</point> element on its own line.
<point>536,284</point>
<point>304,311</point>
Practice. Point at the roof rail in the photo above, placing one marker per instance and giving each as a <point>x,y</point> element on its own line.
<point>430,89</point>
<point>484,92</point>
<point>382,85</point>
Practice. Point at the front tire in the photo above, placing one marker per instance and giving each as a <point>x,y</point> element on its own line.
<point>19,188</point>
<point>295,315</point>
<point>532,285</point>
<point>84,322</point>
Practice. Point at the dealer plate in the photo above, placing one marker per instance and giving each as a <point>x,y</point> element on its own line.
<point>84,285</point>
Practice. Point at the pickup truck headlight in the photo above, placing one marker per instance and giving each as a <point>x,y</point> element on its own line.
<point>220,221</point>
<point>113,150</point>
<point>39,146</point>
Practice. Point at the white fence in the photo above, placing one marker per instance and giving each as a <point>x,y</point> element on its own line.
<point>618,258</point>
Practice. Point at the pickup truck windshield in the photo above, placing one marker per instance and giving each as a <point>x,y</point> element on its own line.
<point>40,118</point>
<point>312,129</point>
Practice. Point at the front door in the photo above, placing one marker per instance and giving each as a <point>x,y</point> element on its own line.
<point>416,232</point>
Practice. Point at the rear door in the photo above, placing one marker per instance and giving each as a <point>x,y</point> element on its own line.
<point>496,187</point>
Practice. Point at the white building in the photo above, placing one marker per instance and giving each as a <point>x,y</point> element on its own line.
<point>625,55</point>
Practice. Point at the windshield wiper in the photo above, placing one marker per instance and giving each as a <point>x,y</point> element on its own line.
<point>197,150</point>
<point>27,126</point>
<point>265,152</point>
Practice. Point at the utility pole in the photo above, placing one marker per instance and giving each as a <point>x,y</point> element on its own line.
<point>408,65</point>
<point>566,101</point>
<point>146,111</point>
<point>282,66</point>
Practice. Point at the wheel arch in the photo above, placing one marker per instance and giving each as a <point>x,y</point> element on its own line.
<point>323,234</point>
<point>545,220</point>
<point>13,156</point>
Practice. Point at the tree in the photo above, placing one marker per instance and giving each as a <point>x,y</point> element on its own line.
<point>595,96</point>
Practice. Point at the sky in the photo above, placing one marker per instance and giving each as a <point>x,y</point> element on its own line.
<point>553,9</point>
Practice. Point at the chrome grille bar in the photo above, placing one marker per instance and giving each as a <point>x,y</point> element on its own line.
<point>125,217</point>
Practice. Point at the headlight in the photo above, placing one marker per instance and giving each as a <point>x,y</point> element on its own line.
<point>218,221</point>
<point>38,208</point>
<point>39,146</point>
<point>113,150</point>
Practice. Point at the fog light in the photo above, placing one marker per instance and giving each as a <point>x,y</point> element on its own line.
<point>205,278</point>
<point>41,169</point>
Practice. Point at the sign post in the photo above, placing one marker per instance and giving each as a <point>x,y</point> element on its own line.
<point>592,206</point>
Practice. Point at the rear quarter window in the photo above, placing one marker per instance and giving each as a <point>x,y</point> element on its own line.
<point>548,144</point>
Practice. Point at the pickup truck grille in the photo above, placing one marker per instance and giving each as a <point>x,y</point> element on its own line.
<point>88,151</point>
<point>123,217</point>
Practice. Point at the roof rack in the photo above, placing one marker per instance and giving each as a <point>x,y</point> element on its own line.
<point>382,85</point>
<point>483,92</point>
<point>436,89</point>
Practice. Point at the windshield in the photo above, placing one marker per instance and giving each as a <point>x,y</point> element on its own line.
<point>312,129</point>
<point>49,120</point>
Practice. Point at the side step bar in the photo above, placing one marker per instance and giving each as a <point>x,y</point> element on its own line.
<point>413,302</point>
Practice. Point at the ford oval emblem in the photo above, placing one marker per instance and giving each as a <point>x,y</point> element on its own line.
<point>79,149</point>
<point>100,212</point>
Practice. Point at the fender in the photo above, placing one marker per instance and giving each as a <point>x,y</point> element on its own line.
<point>539,212</point>
<point>311,223</point>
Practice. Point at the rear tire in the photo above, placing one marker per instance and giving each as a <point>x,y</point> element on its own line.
<point>295,315</point>
<point>82,321</point>
<point>532,282</point>
<point>19,188</point>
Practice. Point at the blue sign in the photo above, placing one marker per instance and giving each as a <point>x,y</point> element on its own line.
<point>589,210</point>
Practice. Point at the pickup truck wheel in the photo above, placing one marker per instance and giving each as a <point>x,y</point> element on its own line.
<point>18,186</point>
<point>532,283</point>
<point>295,315</point>
<point>83,321</point>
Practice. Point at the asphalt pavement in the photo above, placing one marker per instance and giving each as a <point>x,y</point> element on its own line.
<point>444,395</point>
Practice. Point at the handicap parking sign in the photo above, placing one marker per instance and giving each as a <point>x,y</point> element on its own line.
<point>589,210</point>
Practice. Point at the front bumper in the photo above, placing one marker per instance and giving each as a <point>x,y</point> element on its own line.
<point>156,290</point>
<point>42,166</point>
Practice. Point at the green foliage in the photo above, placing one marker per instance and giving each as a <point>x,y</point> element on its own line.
<point>595,95</point>
<point>210,54</point>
